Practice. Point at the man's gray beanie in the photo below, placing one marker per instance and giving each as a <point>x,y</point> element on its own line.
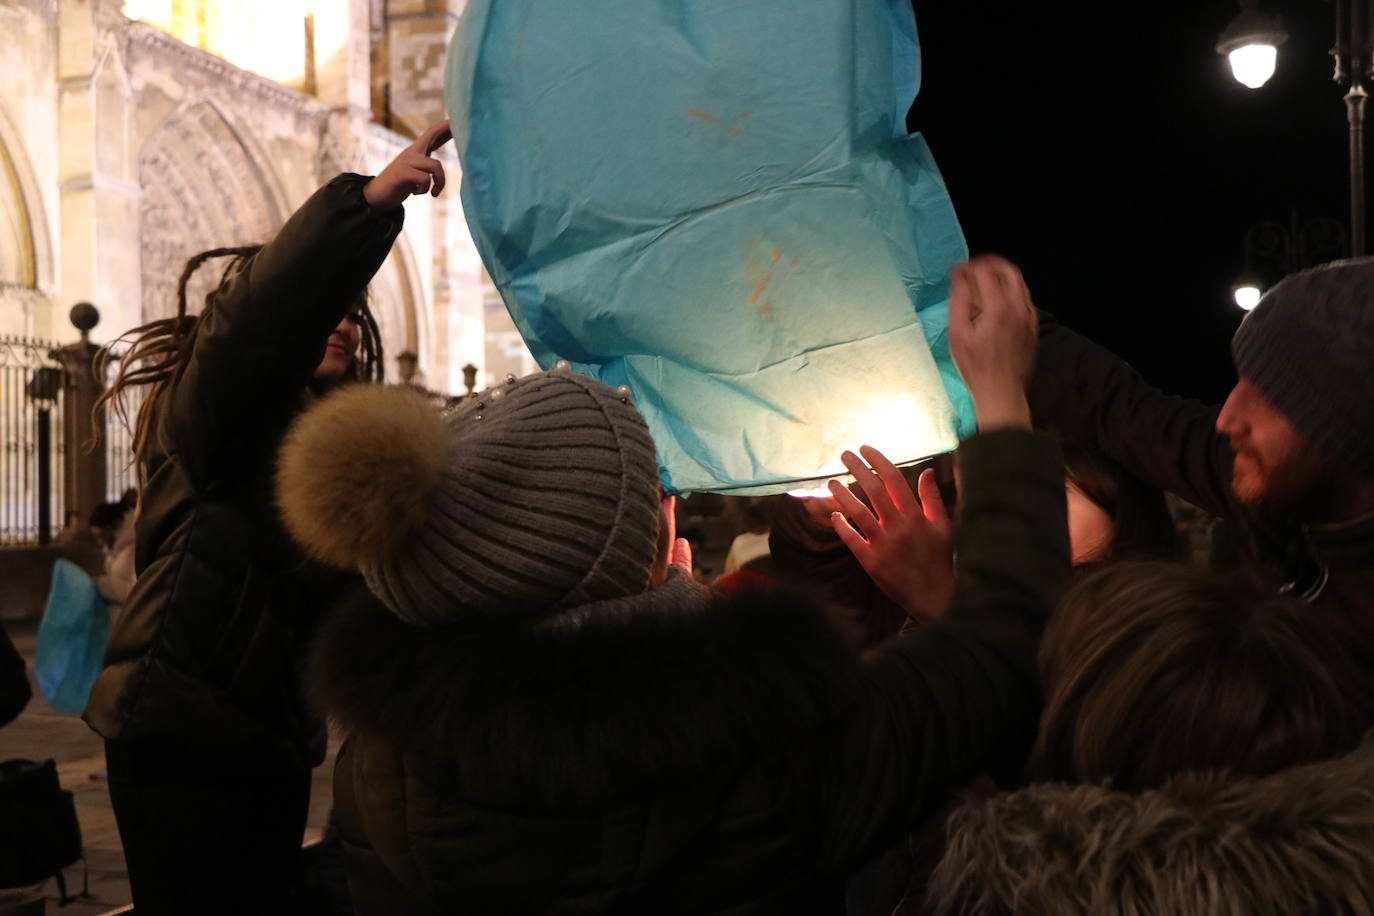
<point>1309,348</point>
<point>538,494</point>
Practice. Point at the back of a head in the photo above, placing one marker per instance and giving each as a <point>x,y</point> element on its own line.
<point>108,516</point>
<point>1152,669</point>
<point>535,495</point>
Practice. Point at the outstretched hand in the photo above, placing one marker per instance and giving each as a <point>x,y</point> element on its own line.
<point>993,332</point>
<point>904,543</point>
<point>414,171</point>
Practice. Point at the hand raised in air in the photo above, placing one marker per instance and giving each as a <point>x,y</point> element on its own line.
<point>414,171</point>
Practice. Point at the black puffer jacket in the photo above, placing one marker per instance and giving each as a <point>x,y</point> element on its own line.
<point>210,638</point>
<point>677,753</point>
<point>15,691</point>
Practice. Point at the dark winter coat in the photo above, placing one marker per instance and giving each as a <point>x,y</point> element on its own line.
<point>1296,843</point>
<point>1093,397</point>
<point>679,752</point>
<point>210,638</point>
<point>15,691</point>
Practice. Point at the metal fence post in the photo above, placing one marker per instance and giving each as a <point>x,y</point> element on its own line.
<point>84,467</point>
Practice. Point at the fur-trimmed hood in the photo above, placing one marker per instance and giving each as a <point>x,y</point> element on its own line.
<point>603,699</point>
<point>1300,841</point>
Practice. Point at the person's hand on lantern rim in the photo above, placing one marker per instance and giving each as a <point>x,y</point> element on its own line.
<point>904,542</point>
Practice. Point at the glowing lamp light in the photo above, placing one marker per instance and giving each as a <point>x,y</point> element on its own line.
<point>1247,296</point>
<point>1251,43</point>
<point>1252,65</point>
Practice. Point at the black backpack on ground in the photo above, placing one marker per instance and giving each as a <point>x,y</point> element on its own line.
<point>39,833</point>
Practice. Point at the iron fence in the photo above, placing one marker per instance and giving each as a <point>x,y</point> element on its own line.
<point>120,473</point>
<point>32,451</point>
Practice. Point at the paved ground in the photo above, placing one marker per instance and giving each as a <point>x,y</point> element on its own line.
<point>41,732</point>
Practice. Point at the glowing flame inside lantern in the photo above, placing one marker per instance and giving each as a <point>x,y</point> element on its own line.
<point>889,423</point>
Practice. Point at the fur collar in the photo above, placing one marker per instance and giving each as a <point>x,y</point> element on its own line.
<point>1298,841</point>
<point>606,698</point>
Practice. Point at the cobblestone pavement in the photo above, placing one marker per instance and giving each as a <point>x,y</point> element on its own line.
<point>41,732</point>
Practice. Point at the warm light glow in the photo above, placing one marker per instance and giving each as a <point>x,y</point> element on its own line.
<point>812,493</point>
<point>1247,297</point>
<point>1252,65</point>
<point>264,36</point>
<point>153,12</point>
<point>894,424</point>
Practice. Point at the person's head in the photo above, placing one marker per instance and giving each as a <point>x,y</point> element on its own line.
<point>755,513</point>
<point>1301,418</point>
<point>1112,513</point>
<point>106,519</point>
<point>537,495</point>
<point>1151,669</point>
<point>156,354</point>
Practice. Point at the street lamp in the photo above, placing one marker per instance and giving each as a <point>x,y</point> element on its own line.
<point>1247,295</point>
<point>1251,43</point>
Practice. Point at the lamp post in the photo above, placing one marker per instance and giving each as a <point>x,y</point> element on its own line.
<point>1251,44</point>
<point>1352,53</point>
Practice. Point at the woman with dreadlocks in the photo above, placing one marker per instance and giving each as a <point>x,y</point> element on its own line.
<point>208,742</point>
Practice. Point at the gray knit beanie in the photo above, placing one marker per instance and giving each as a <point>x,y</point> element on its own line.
<point>538,494</point>
<point>1309,348</point>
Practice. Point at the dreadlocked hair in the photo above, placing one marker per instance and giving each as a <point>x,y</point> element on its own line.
<point>156,354</point>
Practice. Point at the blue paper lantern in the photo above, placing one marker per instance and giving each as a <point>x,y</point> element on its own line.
<point>718,205</point>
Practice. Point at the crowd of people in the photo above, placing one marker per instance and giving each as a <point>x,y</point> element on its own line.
<point>987,687</point>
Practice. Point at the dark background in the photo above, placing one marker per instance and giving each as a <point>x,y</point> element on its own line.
<point>1108,151</point>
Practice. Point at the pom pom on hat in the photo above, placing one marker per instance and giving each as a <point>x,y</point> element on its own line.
<point>357,471</point>
<point>537,495</point>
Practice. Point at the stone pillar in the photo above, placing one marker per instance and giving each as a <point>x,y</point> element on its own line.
<point>416,41</point>
<point>408,88</point>
<point>343,81</point>
<point>459,317</point>
<point>343,68</point>
<point>96,174</point>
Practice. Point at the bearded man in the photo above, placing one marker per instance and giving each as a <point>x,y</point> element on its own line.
<point>1289,458</point>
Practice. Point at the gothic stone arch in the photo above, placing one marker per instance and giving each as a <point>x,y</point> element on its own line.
<point>25,246</point>
<point>396,303</point>
<point>203,187</point>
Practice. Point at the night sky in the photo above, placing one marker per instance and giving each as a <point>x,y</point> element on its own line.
<point>1110,153</point>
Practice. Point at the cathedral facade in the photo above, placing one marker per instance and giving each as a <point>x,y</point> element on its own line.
<point>136,133</point>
